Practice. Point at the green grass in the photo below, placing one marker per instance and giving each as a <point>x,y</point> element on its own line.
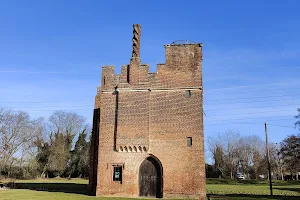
<point>252,189</point>
<point>217,189</point>
<point>37,195</point>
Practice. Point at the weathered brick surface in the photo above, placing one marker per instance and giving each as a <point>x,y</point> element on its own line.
<point>150,115</point>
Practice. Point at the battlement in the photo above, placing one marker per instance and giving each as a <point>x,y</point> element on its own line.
<point>183,66</point>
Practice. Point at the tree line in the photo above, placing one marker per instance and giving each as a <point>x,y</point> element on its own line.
<point>31,148</point>
<point>59,146</point>
<point>232,153</point>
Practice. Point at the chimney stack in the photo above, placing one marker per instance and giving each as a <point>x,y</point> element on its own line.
<point>136,41</point>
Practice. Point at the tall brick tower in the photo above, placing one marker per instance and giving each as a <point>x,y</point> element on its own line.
<point>148,127</point>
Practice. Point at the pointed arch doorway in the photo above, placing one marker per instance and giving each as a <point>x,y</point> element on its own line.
<point>150,178</point>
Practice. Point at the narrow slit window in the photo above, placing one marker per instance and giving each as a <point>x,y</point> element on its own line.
<point>188,93</point>
<point>128,74</point>
<point>117,176</point>
<point>189,141</point>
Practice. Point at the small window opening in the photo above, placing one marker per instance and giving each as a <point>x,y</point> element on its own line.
<point>188,93</point>
<point>189,141</point>
<point>103,80</point>
<point>117,176</point>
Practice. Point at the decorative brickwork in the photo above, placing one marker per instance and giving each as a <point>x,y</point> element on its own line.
<point>155,119</point>
<point>136,40</point>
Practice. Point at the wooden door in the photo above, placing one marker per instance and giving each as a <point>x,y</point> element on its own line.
<point>149,179</point>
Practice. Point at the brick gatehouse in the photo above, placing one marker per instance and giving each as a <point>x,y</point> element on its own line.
<point>148,127</point>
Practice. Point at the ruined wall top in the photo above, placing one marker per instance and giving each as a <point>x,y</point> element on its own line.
<point>182,68</point>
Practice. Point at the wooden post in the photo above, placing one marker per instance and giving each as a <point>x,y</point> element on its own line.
<point>268,160</point>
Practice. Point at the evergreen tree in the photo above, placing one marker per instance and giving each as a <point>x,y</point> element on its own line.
<point>290,152</point>
<point>79,163</point>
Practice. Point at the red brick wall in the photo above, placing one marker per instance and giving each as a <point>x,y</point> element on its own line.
<point>151,112</point>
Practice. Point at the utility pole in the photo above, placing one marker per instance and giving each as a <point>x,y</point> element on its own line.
<point>268,160</point>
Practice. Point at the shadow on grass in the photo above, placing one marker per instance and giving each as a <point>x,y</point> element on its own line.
<point>52,187</point>
<point>294,189</point>
<point>233,181</point>
<point>283,183</point>
<point>249,182</point>
<point>248,196</point>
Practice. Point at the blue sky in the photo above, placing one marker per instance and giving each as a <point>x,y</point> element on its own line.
<point>51,54</point>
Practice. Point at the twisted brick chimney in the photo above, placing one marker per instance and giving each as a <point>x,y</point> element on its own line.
<point>136,40</point>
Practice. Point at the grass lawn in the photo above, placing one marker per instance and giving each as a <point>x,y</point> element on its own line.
<point>252,189</point>
<point>217,189</point>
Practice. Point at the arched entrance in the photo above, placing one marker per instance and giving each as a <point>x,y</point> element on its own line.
<point>150,178</point>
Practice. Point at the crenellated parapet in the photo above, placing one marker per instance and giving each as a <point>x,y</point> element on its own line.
<point>182,67</point>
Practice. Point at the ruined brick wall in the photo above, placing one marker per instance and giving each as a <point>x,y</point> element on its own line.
<point>152,114</point>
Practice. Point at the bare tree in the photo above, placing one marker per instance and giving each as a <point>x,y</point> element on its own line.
<point>17,134</point>
<point>54,154</point>
<point>297,117</point>
<point>66,122</point>
<point>235,153</point>
<point>227,141</point>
